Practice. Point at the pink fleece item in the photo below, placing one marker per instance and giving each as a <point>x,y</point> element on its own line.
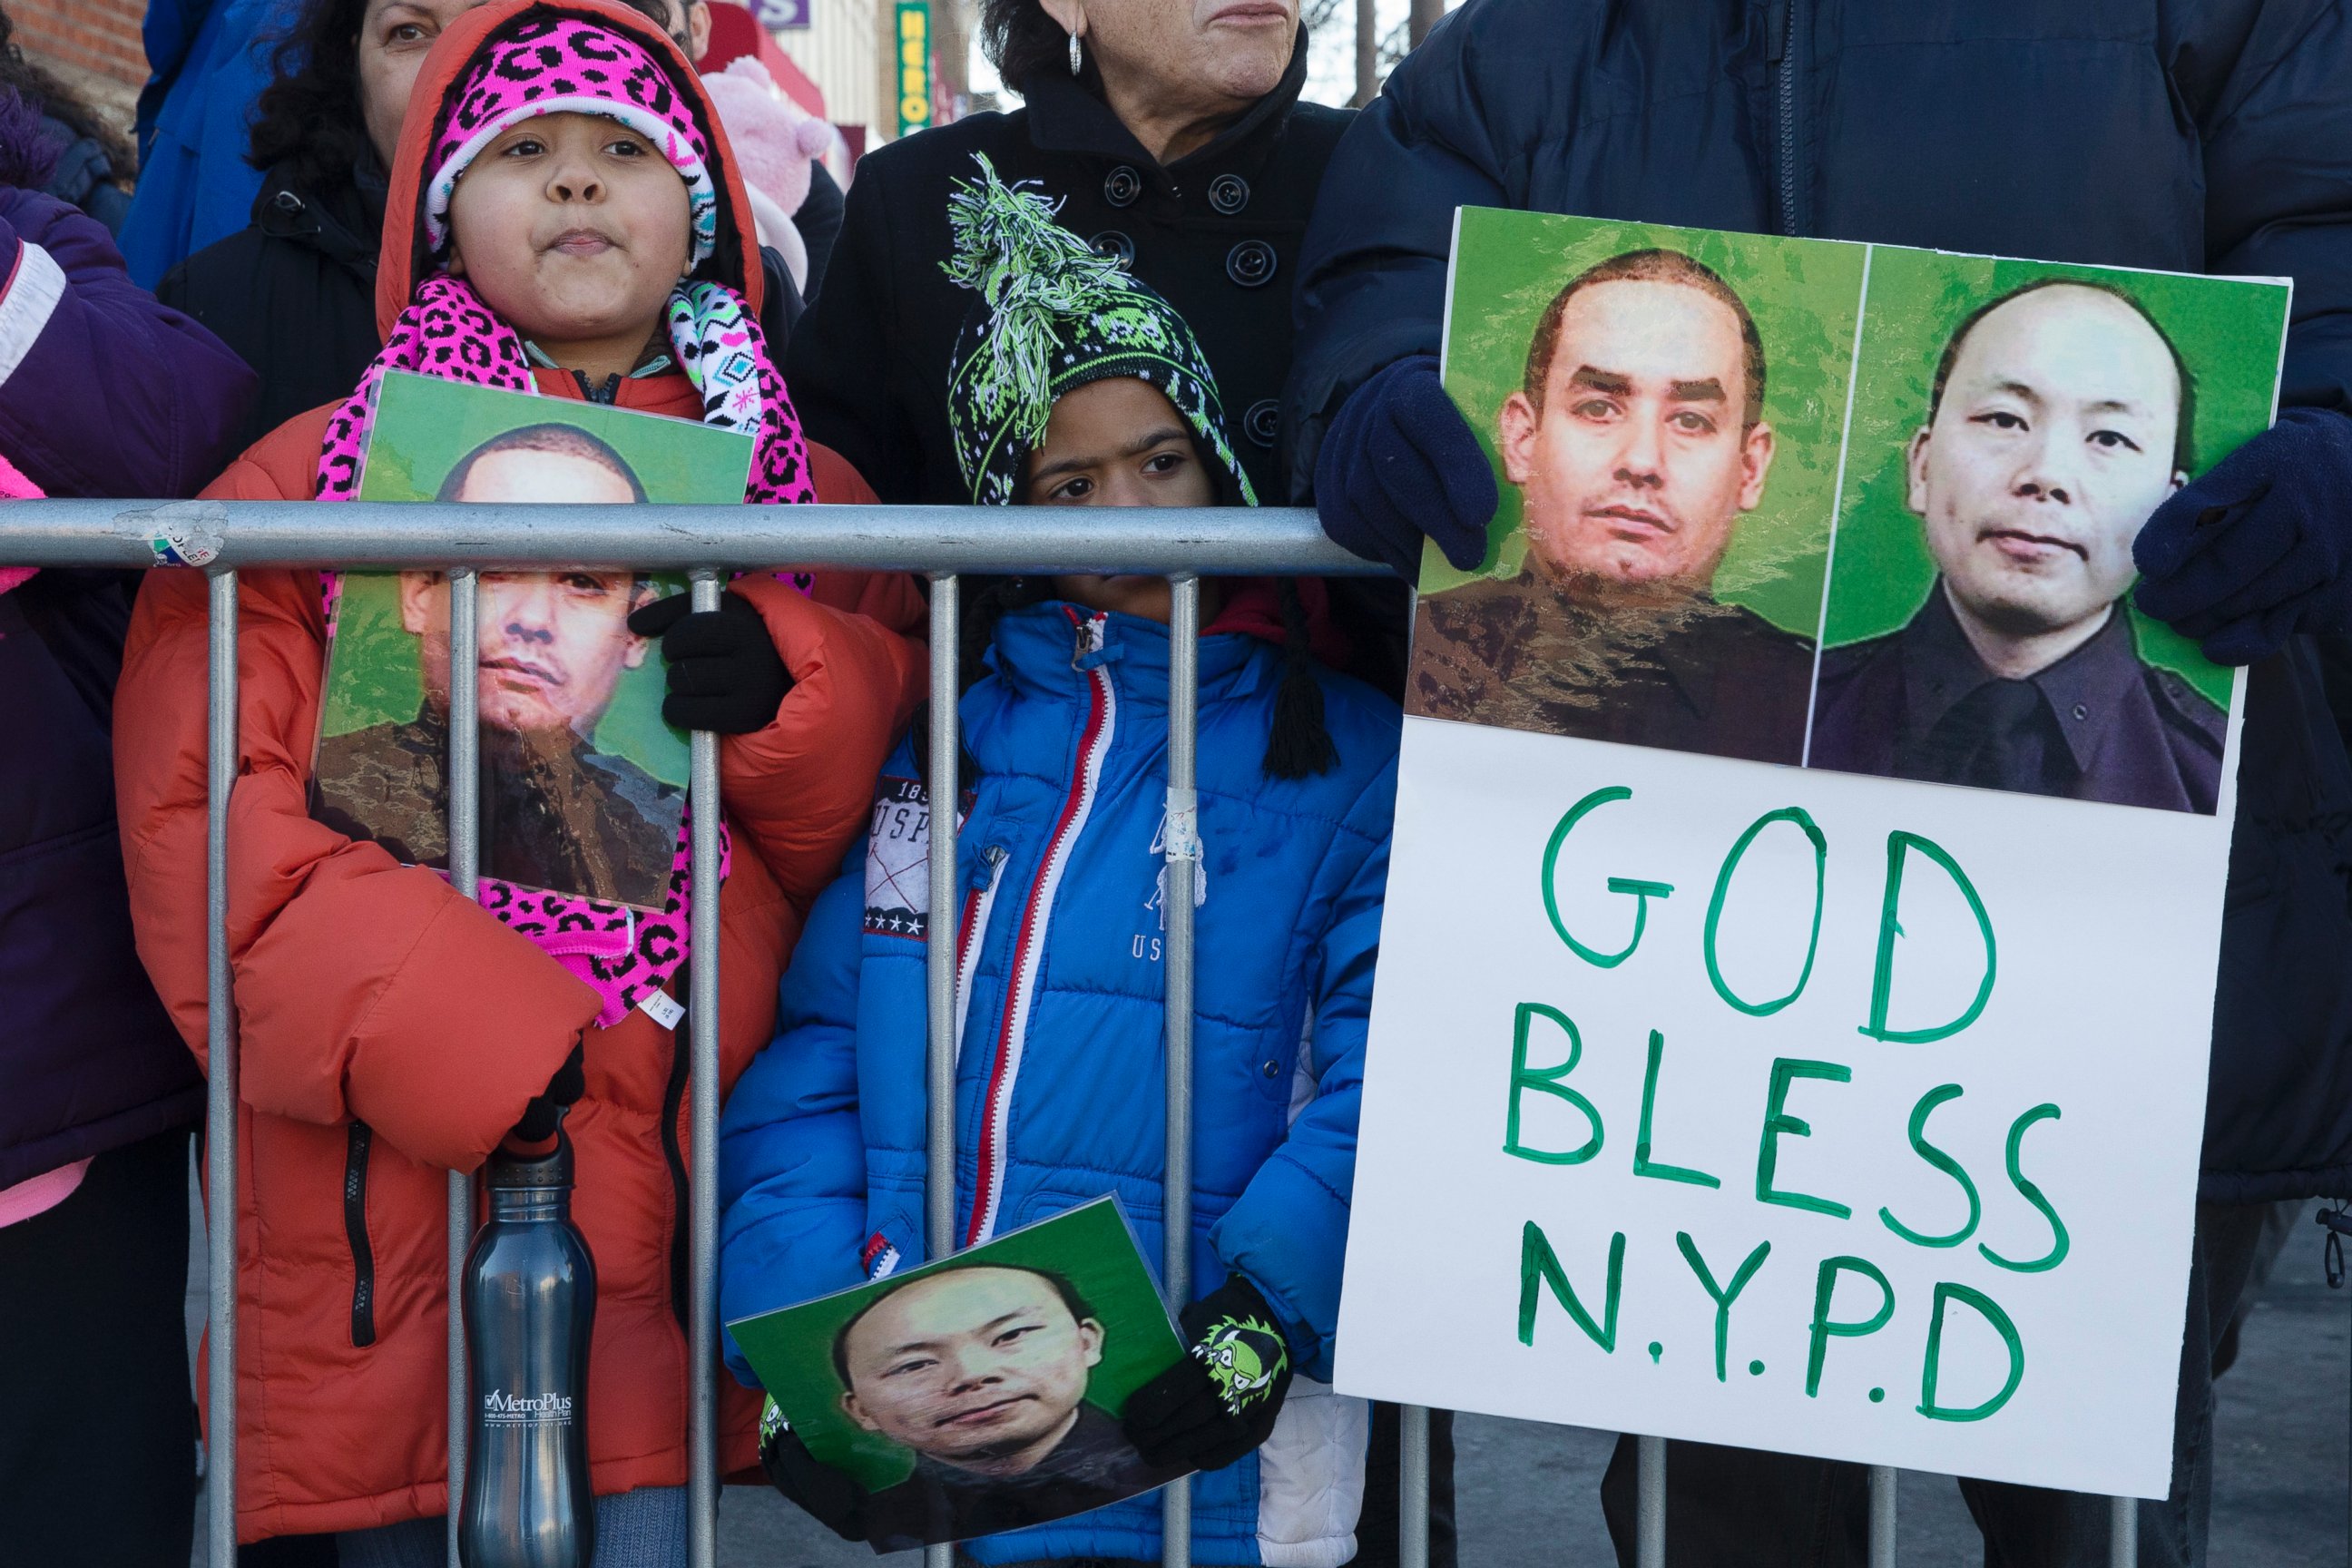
<point>15,485</point>
<point>776,144</point>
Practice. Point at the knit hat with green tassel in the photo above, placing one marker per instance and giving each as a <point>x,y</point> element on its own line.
<point>1052,314</point>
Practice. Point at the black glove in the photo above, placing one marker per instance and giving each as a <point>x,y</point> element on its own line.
<point>823,1493</point>
<point>724,672</point>
<point>1399,462</point>
<point>1220,1401</point>
<point>2255,550</point>
<point>543,1113</point>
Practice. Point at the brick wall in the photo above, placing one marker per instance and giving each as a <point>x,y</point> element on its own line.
<point>100,36</point>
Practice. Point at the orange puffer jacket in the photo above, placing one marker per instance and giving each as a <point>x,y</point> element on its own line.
<point>390,1031</point>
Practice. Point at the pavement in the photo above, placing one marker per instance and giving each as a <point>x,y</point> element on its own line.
<point>1531,1493</point>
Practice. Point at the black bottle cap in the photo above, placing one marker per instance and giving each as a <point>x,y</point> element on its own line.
<point>508,1172</point>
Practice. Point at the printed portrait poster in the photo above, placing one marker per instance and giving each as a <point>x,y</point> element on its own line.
<point>1798,969</point>
<point>582,787</point>
<point>983,1392</point>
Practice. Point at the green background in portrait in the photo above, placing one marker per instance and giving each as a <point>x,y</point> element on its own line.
<point>2228,331</point>
<point>424,426</point>
<point>373,678</point>
<point>1803,295</point>
<point>1090,1246</point>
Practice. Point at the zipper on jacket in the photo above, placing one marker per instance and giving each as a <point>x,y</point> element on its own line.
<point>356,1166</point>
<point>1029,940</point>
<point>681,1054</point>
<point>971,935</point>
<point>1791,52</point>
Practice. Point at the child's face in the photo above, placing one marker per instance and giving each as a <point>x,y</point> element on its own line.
<point>1117,443</point>
<point>573,228</point>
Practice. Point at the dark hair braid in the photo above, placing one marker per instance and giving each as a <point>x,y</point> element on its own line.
<point>1299,745</point>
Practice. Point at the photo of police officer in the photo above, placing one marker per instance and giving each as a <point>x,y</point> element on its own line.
<point>982,1371</point>
<point>2061,415</point>
<point>553,648</point>
<point>1637,443</point>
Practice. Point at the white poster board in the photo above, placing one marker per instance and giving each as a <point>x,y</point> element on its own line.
<point>1770,1105</point>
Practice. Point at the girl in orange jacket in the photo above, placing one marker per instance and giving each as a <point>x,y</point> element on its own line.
<point>566,217</point>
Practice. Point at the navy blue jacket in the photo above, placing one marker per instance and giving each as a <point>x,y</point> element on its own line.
<point>2194,135</point>
<point>89,1060</point>
<point>103,392</point>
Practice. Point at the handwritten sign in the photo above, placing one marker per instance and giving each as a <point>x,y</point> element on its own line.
<point>1719,1089</point>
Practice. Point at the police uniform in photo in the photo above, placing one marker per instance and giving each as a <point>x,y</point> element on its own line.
<point>573,820</point>
<point>1695,676</point>
<point>2100,724</point>
<point>1093,1466</point>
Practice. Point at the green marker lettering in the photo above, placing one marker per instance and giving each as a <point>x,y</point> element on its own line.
<point>1723,887</point>
<point>1882,985</point>
<point>1930,1368</point>
<point>1539,1262</point>
<point>1545,1081</point>
<point>1825,1328</point>
<point>1785,1072</point>
<point>1641,892</point>
<point>1641,1164</point>
<point>2060,1243</point>
<point>1724,1296</point>
<point>1942,1161</point>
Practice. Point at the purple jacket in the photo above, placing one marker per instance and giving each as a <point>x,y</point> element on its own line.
<point>103,392</point>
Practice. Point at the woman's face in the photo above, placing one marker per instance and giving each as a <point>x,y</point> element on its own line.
<point>395,37</point>
<point>1232,49</point>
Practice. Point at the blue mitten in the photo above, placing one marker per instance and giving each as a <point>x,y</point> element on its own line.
<point>1400,462</point>
<point>2254,552</point>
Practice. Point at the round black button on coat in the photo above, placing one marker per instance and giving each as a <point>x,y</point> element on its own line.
<point>1263,422</point>
<point>1229,193</point>
<point>1116,245</point>
<point>1121,186</point>
<point>1250,264</point>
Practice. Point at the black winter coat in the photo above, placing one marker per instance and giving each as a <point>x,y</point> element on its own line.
<point>293,293</point>
<point>1217,232</point>
<point>2196,135</point>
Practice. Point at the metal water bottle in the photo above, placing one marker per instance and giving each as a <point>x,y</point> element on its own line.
<point>529,1301</point>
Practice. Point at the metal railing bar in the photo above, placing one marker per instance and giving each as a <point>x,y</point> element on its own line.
<point>1182,846</point>
<point>2123,1533</point>
<point>1882,1516</point>
<point>702,1186</point>
<point>465,776</point>
<point>221,1079</point>
<point>1210,540</point>
<point>1413,1484</point>
<point>1650,1514</point>
<point>940,955</point>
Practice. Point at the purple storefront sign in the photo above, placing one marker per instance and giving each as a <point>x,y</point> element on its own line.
<point>776,14</point>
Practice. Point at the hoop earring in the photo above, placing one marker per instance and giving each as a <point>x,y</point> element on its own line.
<point>1077,57</point>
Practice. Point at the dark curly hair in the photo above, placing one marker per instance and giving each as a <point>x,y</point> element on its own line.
<point>1022,42</point>
<point>44,93</point>
<point>308,121</point>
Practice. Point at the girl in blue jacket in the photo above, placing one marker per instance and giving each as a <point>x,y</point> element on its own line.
<point>1076,386</point>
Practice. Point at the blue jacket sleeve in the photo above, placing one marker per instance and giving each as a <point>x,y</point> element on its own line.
<point>792,1155</point>
<point>2278,180</point>
<point>1288,1231</point>
<point>103,392</point>
<point>1372,273</point>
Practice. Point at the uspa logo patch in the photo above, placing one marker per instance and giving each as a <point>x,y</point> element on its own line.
<point>898,861</point>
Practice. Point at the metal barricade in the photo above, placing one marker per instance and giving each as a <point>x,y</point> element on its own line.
<point>943,543</point>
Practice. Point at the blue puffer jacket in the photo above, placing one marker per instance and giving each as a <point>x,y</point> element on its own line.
<point>2191,135</point>
<point>1060,1096</point>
